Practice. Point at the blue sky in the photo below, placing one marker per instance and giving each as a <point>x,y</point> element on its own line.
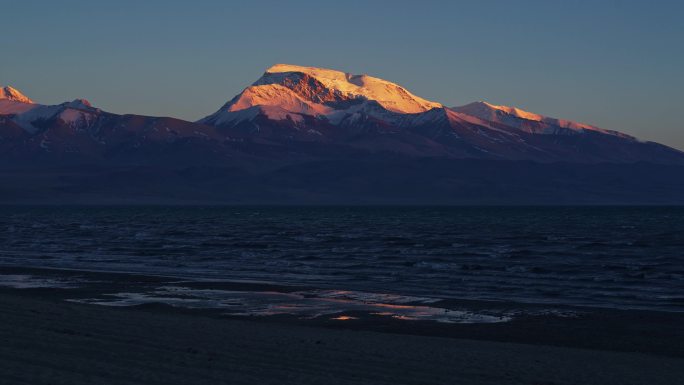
<point>615,64</point>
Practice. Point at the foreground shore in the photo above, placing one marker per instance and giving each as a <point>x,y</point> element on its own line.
<point>48,341</point>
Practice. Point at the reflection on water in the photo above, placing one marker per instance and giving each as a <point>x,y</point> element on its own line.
<point>302,304</point>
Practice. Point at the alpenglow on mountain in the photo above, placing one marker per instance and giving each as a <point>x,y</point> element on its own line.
<point>309,104</point>
<point>307,134</point>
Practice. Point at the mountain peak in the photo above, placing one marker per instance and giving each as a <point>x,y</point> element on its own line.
<point>315,72</point>
<point>291,92</point>
<point>79,103</point>
<point>9,93</point>
<point>389,95</point>
<point>282,67</point>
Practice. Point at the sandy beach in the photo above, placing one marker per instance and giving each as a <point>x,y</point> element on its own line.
<point>45,340</point>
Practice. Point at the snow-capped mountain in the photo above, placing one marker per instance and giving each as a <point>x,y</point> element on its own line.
<point>79,131</point>
<point>290,92</point>
<point>32,117</point>
<point>314,112</point>
<point>292,103</point>
<point>312,135</point>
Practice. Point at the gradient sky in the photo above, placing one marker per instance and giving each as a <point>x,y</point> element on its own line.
<point>615,64</point>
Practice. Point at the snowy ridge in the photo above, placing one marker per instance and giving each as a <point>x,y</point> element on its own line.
<point>515,117</point>
<point>11,94</point>
<point>288,92</point>
<point>28,115</point>
<point>314,112</point>
<point>291,103</point>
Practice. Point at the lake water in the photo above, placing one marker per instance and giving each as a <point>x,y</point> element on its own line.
<point>618,257</point>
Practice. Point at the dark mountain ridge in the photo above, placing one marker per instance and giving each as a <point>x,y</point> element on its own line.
<point>304,135</point>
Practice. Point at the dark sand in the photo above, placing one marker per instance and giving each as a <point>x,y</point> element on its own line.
<point>44,340</point>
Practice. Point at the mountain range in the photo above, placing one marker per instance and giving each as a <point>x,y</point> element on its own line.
<point>313,135</point>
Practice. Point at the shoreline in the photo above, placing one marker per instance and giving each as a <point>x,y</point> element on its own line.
<point>632,331</point>
<point>49,341</point>
<point>290,287</point>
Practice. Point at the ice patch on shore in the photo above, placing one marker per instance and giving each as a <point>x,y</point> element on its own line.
<point>26,281</point>
<point>301,304</point>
